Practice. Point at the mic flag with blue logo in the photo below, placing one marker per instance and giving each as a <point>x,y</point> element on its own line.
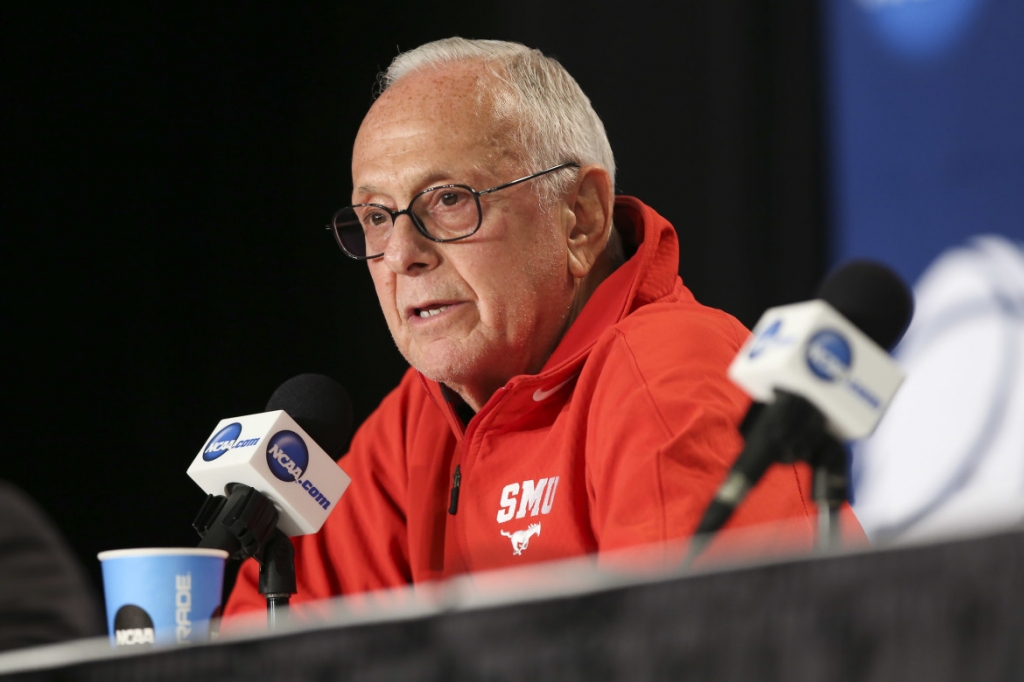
<point>823,371</point>
<point>273,453</point>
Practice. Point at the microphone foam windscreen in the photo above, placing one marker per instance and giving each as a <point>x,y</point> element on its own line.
<point>872,297</point>
<point>320,406</point>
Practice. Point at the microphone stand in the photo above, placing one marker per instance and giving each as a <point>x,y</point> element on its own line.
<point>830,489</point>
<point>277,576</point>
<point>244,523</point>
<point>787,430</point>
<point>797,432</point>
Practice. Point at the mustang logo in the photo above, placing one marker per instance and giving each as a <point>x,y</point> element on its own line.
<point>521,538</point>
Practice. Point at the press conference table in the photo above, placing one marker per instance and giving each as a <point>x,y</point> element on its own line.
<point>944,611</point>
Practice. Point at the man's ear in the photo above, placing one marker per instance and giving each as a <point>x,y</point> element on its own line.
<point>591,206</point>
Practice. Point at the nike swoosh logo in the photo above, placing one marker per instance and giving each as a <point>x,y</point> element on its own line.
<point>541,394</point>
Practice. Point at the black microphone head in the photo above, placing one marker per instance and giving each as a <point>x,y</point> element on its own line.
<point>872,297</point>
<point>320,406</point>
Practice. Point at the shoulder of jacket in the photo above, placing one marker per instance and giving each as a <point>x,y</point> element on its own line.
<point>684,324</point>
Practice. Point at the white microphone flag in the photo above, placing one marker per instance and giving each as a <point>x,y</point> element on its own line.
<point>271,453</point>
<point>813,351</point>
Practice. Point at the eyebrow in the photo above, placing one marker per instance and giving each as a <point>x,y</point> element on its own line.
<point>427,181</point>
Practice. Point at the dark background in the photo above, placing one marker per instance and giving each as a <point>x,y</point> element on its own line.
<point>167,172</point>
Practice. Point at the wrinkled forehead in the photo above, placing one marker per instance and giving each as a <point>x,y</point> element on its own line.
<point>458,105</point>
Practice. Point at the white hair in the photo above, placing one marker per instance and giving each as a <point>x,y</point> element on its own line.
<point>555,121</point>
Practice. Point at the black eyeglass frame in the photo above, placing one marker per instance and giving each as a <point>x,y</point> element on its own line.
<point>333,226</point>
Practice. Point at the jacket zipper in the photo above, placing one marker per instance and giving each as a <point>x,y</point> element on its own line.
<point>453,506</point>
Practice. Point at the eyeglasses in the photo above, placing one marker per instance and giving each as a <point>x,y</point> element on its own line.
<point>441,214</point>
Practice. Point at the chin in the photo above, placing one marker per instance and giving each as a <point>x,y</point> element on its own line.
<point>456,366</point>
<point>450,374</point>
<point>442,365</point>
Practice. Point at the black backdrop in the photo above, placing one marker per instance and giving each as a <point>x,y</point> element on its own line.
<point>167,171</point>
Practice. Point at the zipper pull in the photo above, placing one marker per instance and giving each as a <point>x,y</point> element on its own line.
<point>453,506</point>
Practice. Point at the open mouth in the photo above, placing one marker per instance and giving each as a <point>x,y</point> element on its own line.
<point>431,311</point>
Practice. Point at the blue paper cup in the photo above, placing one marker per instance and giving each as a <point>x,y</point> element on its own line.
<point>161,595</point>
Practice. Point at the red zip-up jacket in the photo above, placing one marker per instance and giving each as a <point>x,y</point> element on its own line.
<point>620,440</point>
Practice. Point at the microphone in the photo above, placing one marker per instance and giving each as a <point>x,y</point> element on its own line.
<point>287,453</point>
<point>823,372</point>
<point>267,479</point>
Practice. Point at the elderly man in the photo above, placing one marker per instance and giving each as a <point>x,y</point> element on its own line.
<point>567,394</point>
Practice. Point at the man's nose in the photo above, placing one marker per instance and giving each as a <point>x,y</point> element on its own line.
<point>408,252</point>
